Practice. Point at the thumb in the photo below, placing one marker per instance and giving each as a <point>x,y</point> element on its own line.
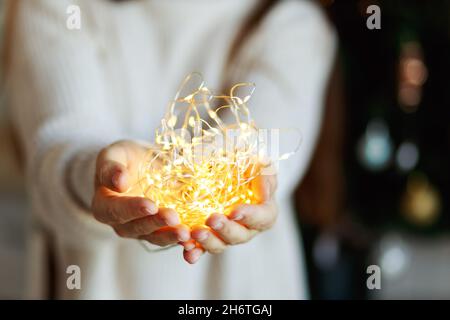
<point>113,175</point>
<point>264,187</point>
<point>118,165</point>
<point>111,168</point>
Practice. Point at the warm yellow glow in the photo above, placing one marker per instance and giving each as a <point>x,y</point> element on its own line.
<point>205,164</point>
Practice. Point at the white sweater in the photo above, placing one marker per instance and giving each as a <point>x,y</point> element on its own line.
<point>72,92</point>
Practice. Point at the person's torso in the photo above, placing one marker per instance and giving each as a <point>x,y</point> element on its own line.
<point>148,47</point>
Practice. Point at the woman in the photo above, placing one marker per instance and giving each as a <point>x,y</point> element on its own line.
<point>75,93</point>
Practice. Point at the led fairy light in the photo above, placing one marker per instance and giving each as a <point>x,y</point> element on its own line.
<point>200,164</point>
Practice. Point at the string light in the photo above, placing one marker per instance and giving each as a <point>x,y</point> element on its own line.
<point>200,164</point>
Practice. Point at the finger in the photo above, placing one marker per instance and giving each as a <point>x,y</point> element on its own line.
<point>256,217</point>
<point>229,231</point>
<point>147,225</point>
<point>111,208</point>
<point>169,215</point>
<point>168,235</point>
<point>208,240</point>
<point>264,187</point>
<point>117,165</point>
<point>193,255</point>
<point>188,245</point>
<point>111,169</point>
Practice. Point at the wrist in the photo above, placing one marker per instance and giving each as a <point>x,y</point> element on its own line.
<point>80,176</point>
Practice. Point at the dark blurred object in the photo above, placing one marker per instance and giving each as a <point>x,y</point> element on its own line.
<point>398,75</point>
<point>320,197</point>
<point>388,140</point>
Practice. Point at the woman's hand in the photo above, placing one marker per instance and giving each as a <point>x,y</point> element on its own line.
<point>117,202</point>
<point>241,225</point>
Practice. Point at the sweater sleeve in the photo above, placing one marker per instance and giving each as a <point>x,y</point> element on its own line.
<point>289,60</point>
<point>59,107</point>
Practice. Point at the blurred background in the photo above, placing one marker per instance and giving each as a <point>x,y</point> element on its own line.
<point>377,191</point>
<point>13,207</point>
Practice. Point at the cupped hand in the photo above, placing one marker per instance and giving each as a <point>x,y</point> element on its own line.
<point>117,201</point>
<point>240,226</point>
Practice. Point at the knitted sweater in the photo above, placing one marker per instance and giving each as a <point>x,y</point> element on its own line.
<point>72,92</point>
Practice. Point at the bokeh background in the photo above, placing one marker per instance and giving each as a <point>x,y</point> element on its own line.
<point>377,191</point>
